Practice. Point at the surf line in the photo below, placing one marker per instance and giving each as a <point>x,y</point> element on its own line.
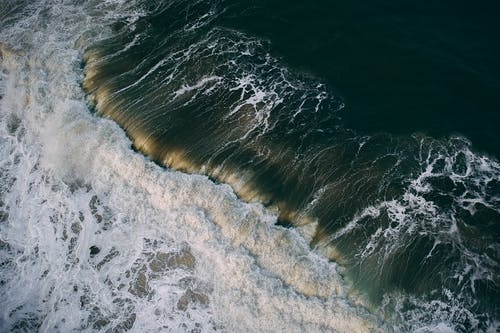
<point>107,102</point>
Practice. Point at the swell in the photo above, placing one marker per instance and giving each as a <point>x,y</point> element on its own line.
<point>401,213</point>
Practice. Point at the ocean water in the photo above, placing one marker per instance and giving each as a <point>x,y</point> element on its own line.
<point>249,166</point>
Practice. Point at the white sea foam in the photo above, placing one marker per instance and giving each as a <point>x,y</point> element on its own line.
<point>201,83</point>
<point>466,177</point>
<point>176,252</point>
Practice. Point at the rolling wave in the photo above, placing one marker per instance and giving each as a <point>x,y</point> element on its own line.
<point>322,229</point>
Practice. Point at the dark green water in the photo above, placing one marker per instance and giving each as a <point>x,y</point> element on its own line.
<point>401,66</point>
<point>373,121</point>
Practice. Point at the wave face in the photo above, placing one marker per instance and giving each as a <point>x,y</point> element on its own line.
<point>321,229</point>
